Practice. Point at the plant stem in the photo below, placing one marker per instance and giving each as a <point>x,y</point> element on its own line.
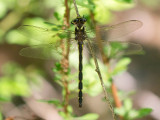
<point>65,60</point>
<point>115,96</point>
<point>101,79</point>
<point>105,61</point>
<point>75,5</point>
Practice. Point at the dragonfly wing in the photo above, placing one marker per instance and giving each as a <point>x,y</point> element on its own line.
<point>109,38</point>
<point>41,51</point>
<point>116,49</point>
<point>42,35</point>
<point>133,48</point>
<point>121,29</point>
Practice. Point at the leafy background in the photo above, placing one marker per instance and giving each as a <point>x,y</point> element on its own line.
<point>26,83</point>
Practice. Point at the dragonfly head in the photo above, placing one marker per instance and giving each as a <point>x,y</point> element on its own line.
<point>79,21</point>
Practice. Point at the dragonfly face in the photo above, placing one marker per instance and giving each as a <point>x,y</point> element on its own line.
<point>80,34</point>
<point>79,22</point>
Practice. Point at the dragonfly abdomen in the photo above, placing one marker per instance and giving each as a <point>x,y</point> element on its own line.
<point>80,96</point>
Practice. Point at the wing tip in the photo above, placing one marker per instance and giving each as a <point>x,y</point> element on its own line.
<point>138,22</point>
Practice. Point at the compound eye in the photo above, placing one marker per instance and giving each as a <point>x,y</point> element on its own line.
<point>76,20</point>
<point>84,20</point>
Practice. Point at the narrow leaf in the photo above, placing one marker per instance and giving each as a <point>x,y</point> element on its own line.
<point>90,116</point>
<point>143,112</point>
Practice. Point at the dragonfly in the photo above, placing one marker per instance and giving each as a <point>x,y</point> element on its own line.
<point>48,47</point>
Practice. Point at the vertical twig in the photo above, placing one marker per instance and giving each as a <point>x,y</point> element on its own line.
<point>101,79</point>
<point>106,62</point>
<point>115,96</point>
<point>75,5</point>
<point>65,54</point>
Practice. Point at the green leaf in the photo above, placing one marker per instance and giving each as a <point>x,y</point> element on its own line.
<point>56,102</point>
<point>20,85</point>
<point>65,116</point>
<point>13,85</point>
<point>113,49</point>
<point>3,9</point>
<point>91,79</point>
<point>4,99</point>
<point>102,14</point>
<point>132,114</point>
<point>1,116</point>
<point>118,5</point>
<point>143,112</point>
<point>61,113</point>
<point>89,116</point>
<point>70,109</point>
<point>120,111</point>
<point>57,16</point>
<point>57,77</point>
<point>58,66</point>
<point>85,4</point>
<point>126,1</point>
<point>128,104</point>
<point>121,65</point>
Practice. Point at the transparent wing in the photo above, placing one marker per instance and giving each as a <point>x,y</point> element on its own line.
<point>46,51</point>
<point>121,29</point>
<point>45,42</point>
<point>111,33</point>
<point>108,37</point>
<point>116,49</point>
<point>133,48</point>
<point>43,35</point>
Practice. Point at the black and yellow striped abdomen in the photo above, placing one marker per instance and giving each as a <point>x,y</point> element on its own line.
<point>80,86</point>
<point>80,36</point>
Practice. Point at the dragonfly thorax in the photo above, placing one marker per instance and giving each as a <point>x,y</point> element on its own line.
<point>80,35</point>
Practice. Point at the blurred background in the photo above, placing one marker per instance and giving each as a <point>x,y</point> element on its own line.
<point>24,81</point>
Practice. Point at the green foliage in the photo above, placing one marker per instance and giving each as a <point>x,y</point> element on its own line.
<point>14,82</point>
<point>57,70</point>
<point>114,49</point>
<point>15,79</point>
<point>23,36</point>
<point>59,105</point>
<point>83,4</point>
<point>121,66</point>
<point>68,116</point>
<point>1,116</point>
<point>127,1</point>
<point>91,81</point>
<point>104,7</point>
<point>143,112</point>
<point>56,15</point>
<point>3,9</point>
<point>89,116</point>
<point>55,102</point>
<point>129,113</point>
